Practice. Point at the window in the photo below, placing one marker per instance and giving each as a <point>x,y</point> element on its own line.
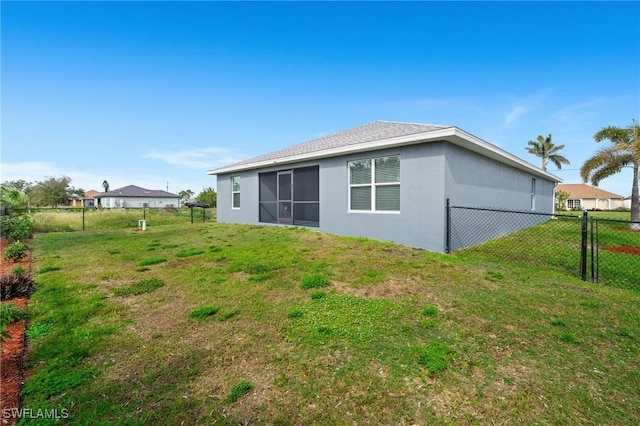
<point>235,192</point>
<point>533,193</point>
<point>374,184</point>
<point>290,196</point>
<point>573,204</point>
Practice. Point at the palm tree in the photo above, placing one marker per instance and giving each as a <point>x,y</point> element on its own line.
<point>105,185</point>
<point>546,150</point>
<point>607,161</point>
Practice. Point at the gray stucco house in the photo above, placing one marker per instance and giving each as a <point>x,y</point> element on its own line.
<point>132,196</point>
<point>383,180</point>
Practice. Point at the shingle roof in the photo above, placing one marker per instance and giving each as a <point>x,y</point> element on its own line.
<point>584,191</point>
<point>136,191</point>
<point>380,135</point>
<point>376,130</point>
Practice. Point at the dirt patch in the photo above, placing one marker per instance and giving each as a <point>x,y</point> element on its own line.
<point>621,249</point>
<point>13,347</point>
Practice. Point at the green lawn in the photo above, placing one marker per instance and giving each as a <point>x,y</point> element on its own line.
<point>232,324</point>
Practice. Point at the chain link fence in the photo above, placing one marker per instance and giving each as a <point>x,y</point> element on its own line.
<point>524,237</point>
<point>67,219</point>
<point>615,252</point>
<point>601,250</point>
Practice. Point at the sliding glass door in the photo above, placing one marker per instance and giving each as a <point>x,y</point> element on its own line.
<point>290,197</point>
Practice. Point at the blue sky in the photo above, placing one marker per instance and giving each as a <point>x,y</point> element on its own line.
<point>157,93</point>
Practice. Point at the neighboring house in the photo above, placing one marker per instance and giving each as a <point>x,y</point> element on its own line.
<point>87,201</point>
<point>587,197</point>
<point>383,180</point>
<point>135,197</point>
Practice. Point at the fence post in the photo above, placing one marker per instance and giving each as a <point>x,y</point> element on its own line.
<point>448,228</point>
<point>583,251</point>
<point>593,228</point>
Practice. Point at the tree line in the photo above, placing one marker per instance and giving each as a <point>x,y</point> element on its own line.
<point>57,191</point>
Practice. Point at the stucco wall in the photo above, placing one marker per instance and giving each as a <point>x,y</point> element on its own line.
<point>420,222</point>
<point>138,202</point>
<point>473,180</point>
<point>429,173</point>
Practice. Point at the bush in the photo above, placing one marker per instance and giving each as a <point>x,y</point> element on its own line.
<point>9,313</point>
<point>18,270</point>
<point>12,286</point>
<point>16,251</point>
<point>16,228</point>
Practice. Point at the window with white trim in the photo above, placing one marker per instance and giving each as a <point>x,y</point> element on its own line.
<point>574,204</point>
<point>235,192</point>
<point>374,184</point>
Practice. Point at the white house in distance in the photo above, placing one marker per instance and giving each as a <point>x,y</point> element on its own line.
<point>132,196</point>
<point>384,180</point>
<point>583,196</point>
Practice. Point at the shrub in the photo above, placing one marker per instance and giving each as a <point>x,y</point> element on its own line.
<point>18,270</point>
<point>315,281</point>
<point>9,313</point>
<point>238,390</point>
<point>203,312</point>
<point>12,286</point>
<point>16,251</point>
<point>16,228</point>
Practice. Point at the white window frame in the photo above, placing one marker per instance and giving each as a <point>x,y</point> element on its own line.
<point>233,192</point>
<point>573,202</point>
<point>533,193</point>
<point>373,185</point>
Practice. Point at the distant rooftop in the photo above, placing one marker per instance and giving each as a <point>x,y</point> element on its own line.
<point>582,190</point>
<point>136,191</point>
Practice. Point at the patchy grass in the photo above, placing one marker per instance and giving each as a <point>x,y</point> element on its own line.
<point>203,312</point>
<point>139,287</point>
<point>401,336</point>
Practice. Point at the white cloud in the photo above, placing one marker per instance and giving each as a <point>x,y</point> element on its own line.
<point>515,113</point>
<point>204,158</point>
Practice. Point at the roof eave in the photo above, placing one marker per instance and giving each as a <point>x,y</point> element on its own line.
<point>450,134</point>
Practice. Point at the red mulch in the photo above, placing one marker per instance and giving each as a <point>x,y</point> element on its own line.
<point>13,348</point>
<point>627,250</point>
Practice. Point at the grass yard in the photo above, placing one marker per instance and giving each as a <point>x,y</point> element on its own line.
<point>71,219</point>
<point>232,324</point>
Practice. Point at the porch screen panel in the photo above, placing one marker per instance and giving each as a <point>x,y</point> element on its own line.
<point>306,196</point>
<point>268,199</point>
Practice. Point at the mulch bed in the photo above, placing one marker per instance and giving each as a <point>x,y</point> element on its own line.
<point>13,348</point>
<point>618,249</point>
